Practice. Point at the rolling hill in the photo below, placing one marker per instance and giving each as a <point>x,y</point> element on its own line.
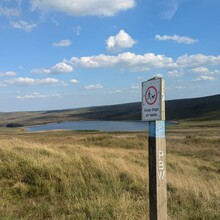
<point>203,109</point>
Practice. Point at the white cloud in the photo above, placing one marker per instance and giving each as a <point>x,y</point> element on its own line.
<point>95,61</point>
<point>8,74</point>
<point>177,38</point>
<point>120,41</point>
<point>74,81</point>
<point>37,95</point>
<point>61,68</point>
<point>84,7</point>
<point>24,25</point>
<point>136,63</point>
<point>62,43</point>
<point>91,87</point>
<point>204,78</point>
<point>200,70</point>
<point>197,60</point>
<point>126,60</point>
<point>57,68</point>
<point>175,73</point>
<point>205,71</point>
<point>9,12</point>
<point>30,81</point>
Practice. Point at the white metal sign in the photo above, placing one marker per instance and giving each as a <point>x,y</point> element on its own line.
<point>153,107</point>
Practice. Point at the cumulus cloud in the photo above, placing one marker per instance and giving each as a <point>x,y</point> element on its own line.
<point>24,25</point>
<point>62,43</point>
<point>37,95</point>
<point>95,61</point>
<point>197,60</point>
<point>92,87</point>
<point>84,7</point>
<point>74,81</point>
<point>30,81</point>
<point>8,74</point>
<point>61,67</point>
<point>205,71</point>
<point>137,63</point>
<point>120,41</point>
<point>127,60</point>
<point>177,38</point>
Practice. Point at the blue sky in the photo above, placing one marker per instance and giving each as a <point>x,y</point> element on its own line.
<point>58,54</point>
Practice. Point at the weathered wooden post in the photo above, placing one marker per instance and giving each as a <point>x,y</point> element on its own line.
<point>153,110</point>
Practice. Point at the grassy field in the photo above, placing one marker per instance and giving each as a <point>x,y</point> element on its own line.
<point>92,175</point>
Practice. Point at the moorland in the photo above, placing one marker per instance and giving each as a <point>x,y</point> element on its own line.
<point>100,175</point>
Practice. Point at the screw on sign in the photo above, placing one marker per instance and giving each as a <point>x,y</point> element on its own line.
<point>151,95</point>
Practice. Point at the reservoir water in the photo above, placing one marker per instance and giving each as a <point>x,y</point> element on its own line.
<point>93,125</point>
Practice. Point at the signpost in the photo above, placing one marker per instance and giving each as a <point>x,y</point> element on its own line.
<point>153,110</point>
<point>153,100</point>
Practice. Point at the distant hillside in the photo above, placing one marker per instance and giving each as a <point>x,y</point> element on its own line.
<point>205,108</point>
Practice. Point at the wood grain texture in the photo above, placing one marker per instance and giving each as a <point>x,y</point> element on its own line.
<point>157,174</point>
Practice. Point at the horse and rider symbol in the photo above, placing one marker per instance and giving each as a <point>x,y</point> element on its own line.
<point>151,95</point>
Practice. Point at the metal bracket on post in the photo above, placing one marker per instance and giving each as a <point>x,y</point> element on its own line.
<point>153,110</point>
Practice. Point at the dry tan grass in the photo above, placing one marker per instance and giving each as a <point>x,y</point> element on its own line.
<point>70,175</point>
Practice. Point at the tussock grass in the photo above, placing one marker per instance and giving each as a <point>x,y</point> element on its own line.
<point>92,175</point>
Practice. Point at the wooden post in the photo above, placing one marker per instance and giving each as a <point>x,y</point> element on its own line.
<point>153,111</point>
<point>157,171</point>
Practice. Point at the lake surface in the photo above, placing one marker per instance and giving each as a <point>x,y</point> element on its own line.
<point>93,125</point>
